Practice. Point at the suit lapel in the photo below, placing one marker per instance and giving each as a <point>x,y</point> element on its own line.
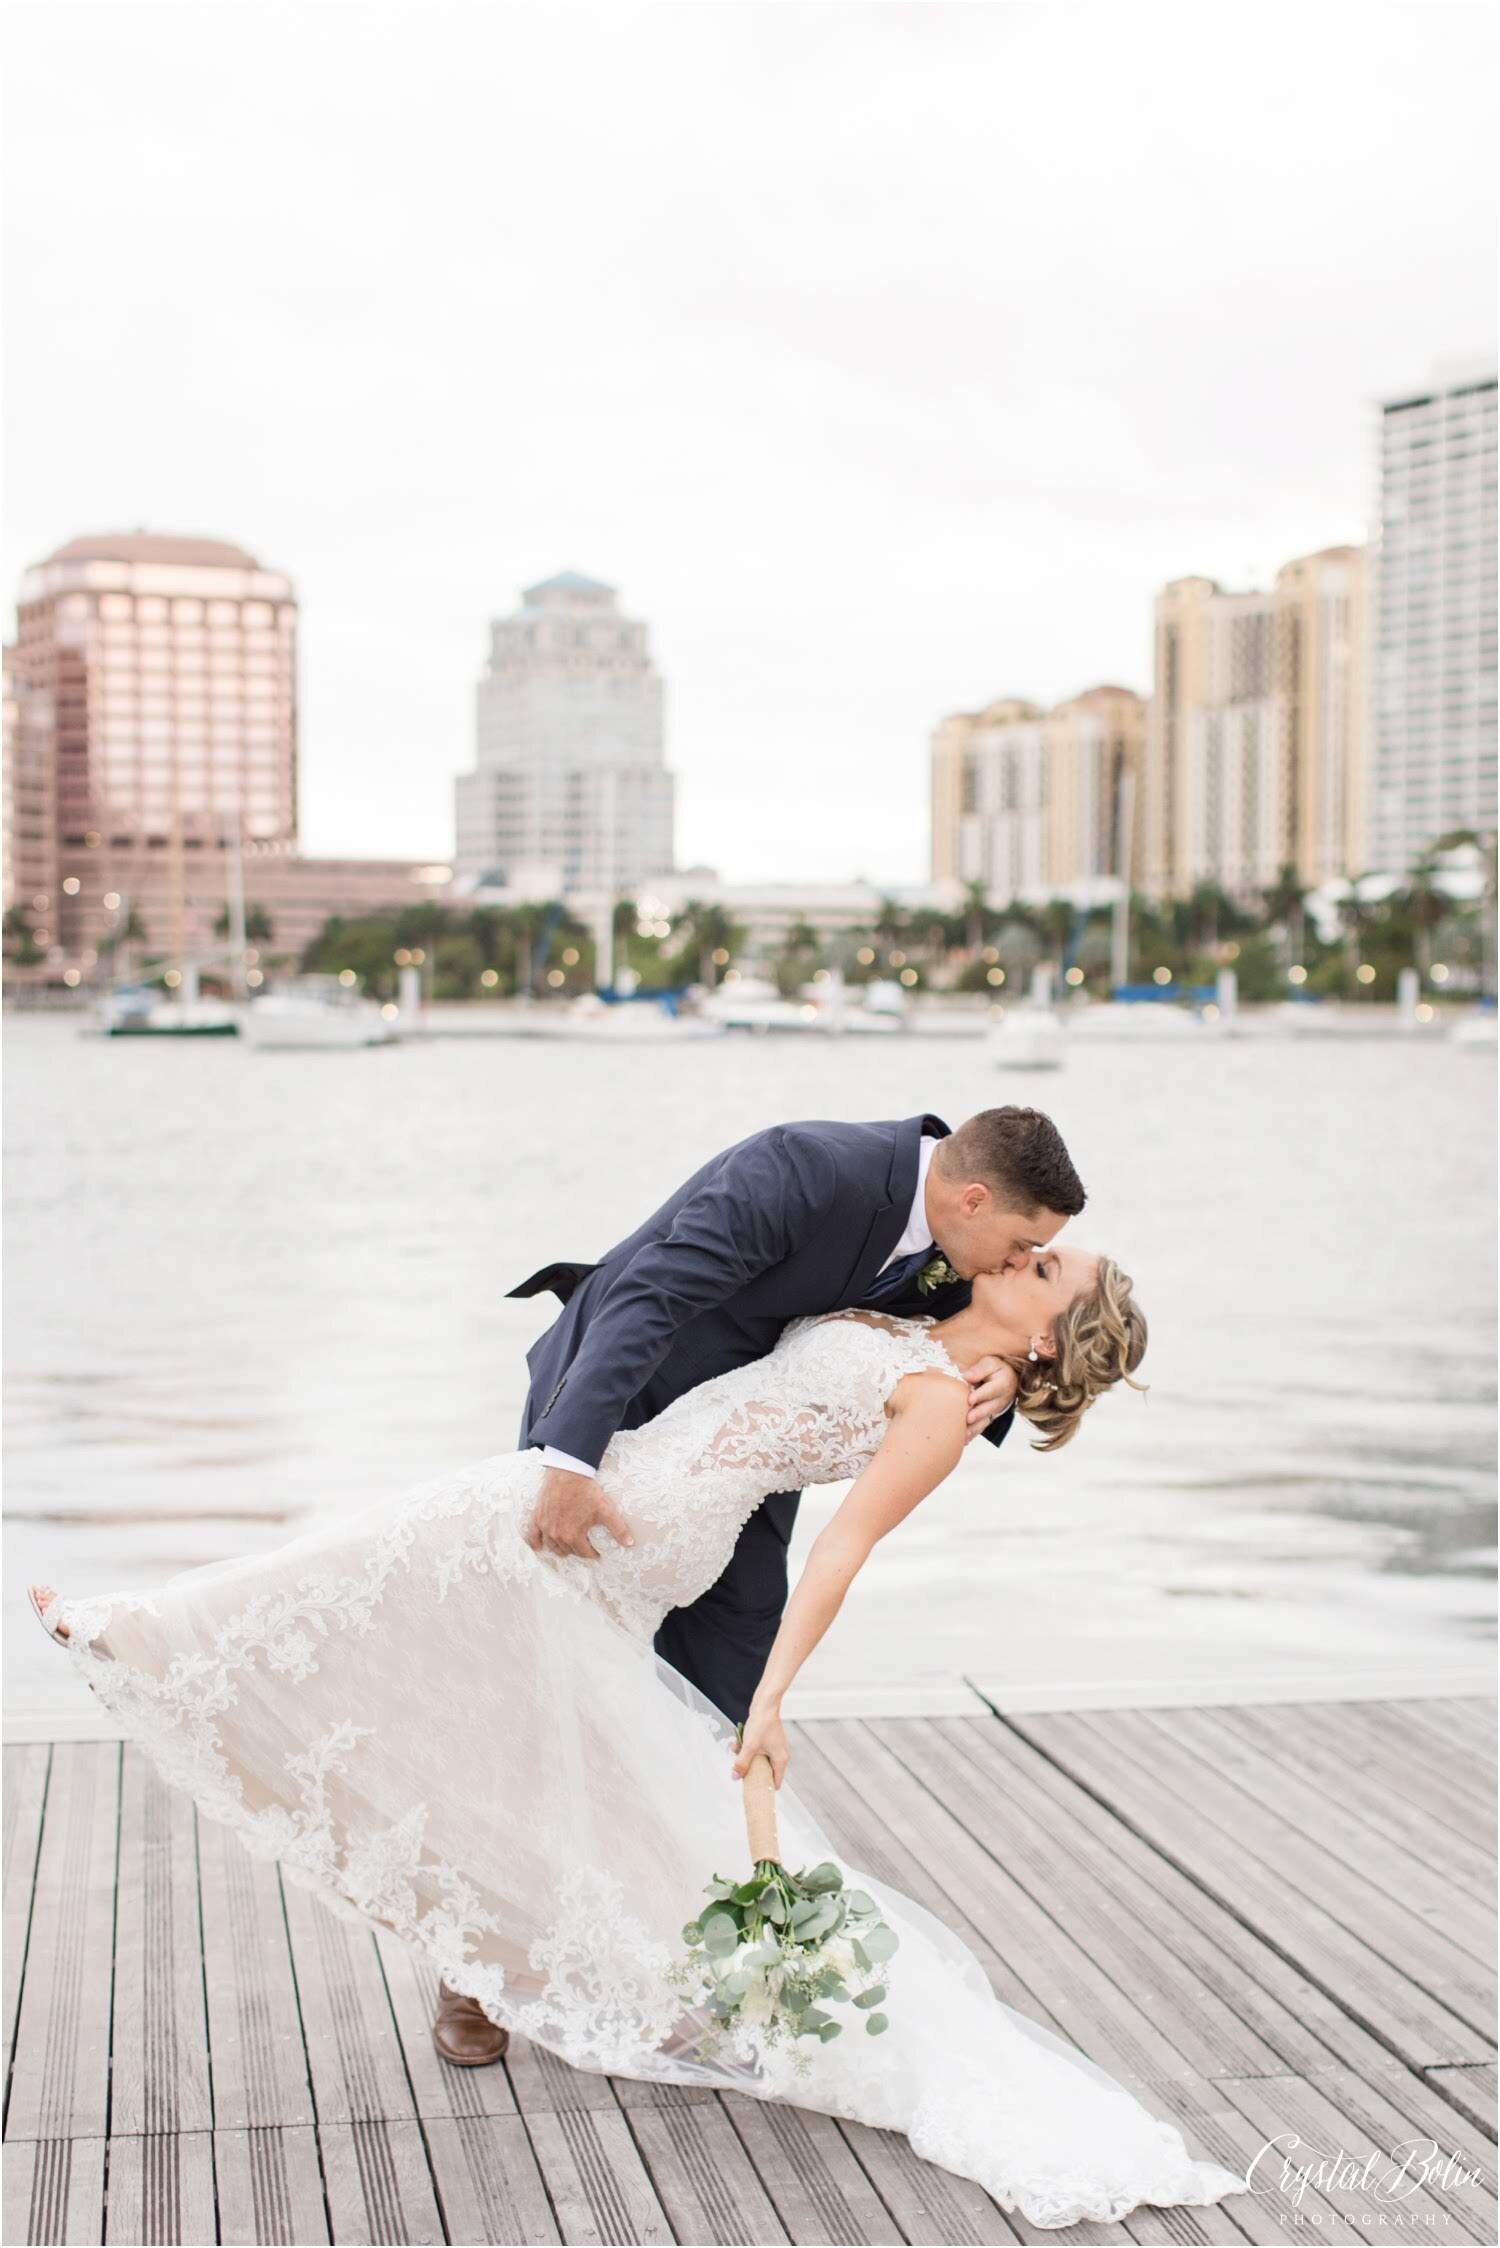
<point>889,1220</point>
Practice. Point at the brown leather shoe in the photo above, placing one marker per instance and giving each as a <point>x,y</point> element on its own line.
<point>464,2034</point>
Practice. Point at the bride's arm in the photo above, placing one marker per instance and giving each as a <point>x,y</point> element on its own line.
<point>924,1442</point>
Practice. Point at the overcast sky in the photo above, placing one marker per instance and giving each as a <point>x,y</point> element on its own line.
<point>887,358</point>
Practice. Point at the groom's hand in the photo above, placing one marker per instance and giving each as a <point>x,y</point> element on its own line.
<point>567,1508</point>
<point>992,1391</point>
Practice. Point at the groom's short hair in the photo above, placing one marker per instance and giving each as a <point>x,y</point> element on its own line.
<point>1019,1155</point>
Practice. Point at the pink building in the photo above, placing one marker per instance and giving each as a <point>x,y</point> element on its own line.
<point>151,709</point>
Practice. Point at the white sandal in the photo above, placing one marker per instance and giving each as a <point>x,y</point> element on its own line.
<point>39,1607</point>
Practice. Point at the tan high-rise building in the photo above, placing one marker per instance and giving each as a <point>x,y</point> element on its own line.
<point>1094,743</point>
<point>1178,659</point>
<point>1321,679</point>
<point>989,799</point>
<point>1255,734</point>
<point>1026,801</point>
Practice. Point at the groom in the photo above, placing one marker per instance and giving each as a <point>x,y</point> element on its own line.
<point>799,1219</point>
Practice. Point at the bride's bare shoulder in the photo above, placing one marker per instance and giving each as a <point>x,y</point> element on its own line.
<point>932,1400</point>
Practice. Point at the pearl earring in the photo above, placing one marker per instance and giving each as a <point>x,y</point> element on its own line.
<point>1031,1354</point>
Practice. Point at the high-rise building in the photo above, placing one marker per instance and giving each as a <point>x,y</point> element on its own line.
<point>1026,801</point>
<point>1093,744</point>
<point>1434,723</point>
<point>153,707</point>
<point>570,790</point>
<point>1255,733</point>
<point>150,742</point>
<point>989,800</point>
<point>1322,684</point>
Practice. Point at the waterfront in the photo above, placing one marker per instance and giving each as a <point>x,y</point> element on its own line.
<point>242,1288</point>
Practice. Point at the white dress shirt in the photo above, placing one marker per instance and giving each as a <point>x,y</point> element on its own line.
<point>917,1235</point>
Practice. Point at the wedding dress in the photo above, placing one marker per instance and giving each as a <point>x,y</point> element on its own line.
<point>474,1745</point>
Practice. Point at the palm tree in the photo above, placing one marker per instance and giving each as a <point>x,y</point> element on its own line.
<point>1356,916</point>
<point>1054,924</point>
<point>891,923</point>
<point>1210,911</point>
<point>711,930</point>
<point>529,922</point>
<point>1286,903</point>
<point>798,947</point>
<point>976,916</point>
<point>1483,843</point>
<point>258,925</point>
<point>20,942</point>
<point>1425,907</point>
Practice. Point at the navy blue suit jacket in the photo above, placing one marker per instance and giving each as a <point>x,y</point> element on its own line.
<point>791,1221</point>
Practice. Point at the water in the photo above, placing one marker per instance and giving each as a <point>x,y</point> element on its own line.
<point>244,1288</point>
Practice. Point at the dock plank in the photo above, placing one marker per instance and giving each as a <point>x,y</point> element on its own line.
<point>60,2079</point>
<point>25,1793</point>
<point>1409,1877</point>
<point>809,2171</point>
<point>161,2189</point>
<point>705,2180</point>
<point>438,2088</point>
<point>1455,1785</point>
<point>160,2046</point>
<point>1154,1995</point>
<point>1055,1980</point>
<point>1362,1782</point>
<point>270,2185</point>
<point>1386,1967</point>
<point>832,1773</point>
<point>962,1885</point>
<point>1268,2017</point>
<point>926,2202</point>
<point>54,2191</point>
<point>254,2024</point>
<point>489,2183</point>
<point>1471,2091</point>
<point>544,2085</point>
<point>598,2185</point>
<point>353,2052</point>
<point>379,2186</point>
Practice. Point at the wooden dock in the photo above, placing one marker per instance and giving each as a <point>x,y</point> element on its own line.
<point>1271,1921</point>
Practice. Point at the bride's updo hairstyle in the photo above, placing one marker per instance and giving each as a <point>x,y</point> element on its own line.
<point>1100,1340</point>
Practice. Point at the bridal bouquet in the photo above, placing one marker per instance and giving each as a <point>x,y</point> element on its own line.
<point>774,1953</point>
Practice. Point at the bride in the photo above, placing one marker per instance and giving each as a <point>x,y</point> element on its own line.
<point>450,1734</point>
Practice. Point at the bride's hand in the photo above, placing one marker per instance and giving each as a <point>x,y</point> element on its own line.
<point>764,1736</point>
<point>992,1391</point>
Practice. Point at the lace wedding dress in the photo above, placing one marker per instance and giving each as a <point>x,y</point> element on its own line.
<point>476,1746</point>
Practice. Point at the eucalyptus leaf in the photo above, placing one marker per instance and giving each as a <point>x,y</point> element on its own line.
<point>859,1902</point>
<point>880,1941</point>
<point>823,1877</point>
<point>830,2031</point>
<point>875,2024</point>
<point>871,1997</point>
<point>721,1933</point>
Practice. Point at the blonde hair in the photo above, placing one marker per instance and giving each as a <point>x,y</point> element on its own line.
<point>1100,1340</point>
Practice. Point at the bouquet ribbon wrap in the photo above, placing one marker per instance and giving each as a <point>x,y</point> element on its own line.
<point>759,1787</point>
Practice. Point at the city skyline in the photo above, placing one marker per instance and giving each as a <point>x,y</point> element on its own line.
<point>881,394</point>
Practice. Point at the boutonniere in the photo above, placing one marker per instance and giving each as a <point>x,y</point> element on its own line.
<point>936,1273</point>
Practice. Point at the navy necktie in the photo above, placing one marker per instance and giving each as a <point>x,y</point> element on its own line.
<point>899,1278</point>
